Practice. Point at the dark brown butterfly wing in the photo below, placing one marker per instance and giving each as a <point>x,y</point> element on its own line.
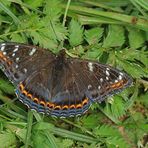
<point>57,85</point>
<point>19,61</point>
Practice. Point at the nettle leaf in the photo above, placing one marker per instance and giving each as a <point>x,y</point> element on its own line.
<point>30,22</point>
<point>52,9</point>
<point>143,99</point>
<point>66,143</point>
<point>43,41</point>
<point>93,35</point>
<point>35,3</point>
<point>57,32</point>
<point>44,32</point>
<point>106,130</point>
<point>17,38</point>
<point>75,33</point>
<point>115,36</point>
<point>114,109</point>
<point>133,69</point>
<point>117,107</point>
<point>40,139</point>
<point>8,139</point>
<point>112,134</point>
<point>136,37</point>
<point>117,142</point>
<point>132,55</point>
<point>90,121</point>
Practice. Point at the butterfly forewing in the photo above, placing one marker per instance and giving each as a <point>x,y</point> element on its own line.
<point>97,80</point>
<point>20,61</point>
<point>58,85</point>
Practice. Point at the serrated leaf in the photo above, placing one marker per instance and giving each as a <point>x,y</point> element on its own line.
<point>133,69</point>
<point>94,52</point>
<point>40,140</point>
<point>56,32</point>
<point>115,36</point>
<point>106,130</point>
<point>42,40</point>
<point>67,143</point>
<point>7,139</point>
<point>117,107</point>
<point>75,33</point>
<point>90,121</point>
<point>93,35</point>
<point>132,54</point>
<point>52,9</point>
<point>34,3</point>
<point>17,38</point>
<point>136,37</point>
<point>117,142</point>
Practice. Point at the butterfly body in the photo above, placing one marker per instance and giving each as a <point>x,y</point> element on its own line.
<point>56,84</point>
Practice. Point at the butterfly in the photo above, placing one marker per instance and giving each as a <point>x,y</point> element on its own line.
<point>58,85</point>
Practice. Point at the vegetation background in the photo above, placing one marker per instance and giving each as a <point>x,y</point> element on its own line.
<point>110,31</point>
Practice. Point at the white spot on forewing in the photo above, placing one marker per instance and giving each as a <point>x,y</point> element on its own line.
<point>25,70</point>
<point>3,46</point>
<point>16,66</point>
<point>32,51</point>
<point>120,77</point>
<point>121,73</point>
<point>13,54</point>
<point>90,66</point>
<point>107,78</point>
<point>16,48</point>
<point>116,81</point>
<point>101,79</point>
<point>107,69</point>
<point>89,86</point>
<point>107,73</point>
<point>17,59</point>
<point>4,53</point>
<point>99,87</point>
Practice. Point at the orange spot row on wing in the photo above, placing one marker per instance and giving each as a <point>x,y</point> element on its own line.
<point>52,105</point>
<point>117,85</point>
<point>4,58</point>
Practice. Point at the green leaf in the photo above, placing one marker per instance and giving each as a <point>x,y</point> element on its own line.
<point>117,142</point>
<point>115,36</point>
<point>90,121</point>
<point>9,12</point>
<point>131,54</point>
<point>6,86</point>
<point>67,143</point>
<point>17,38</point>
<point>44,41</point>
<point>35,3</point>
<point>106,130</point>
<point>8,139</point>
<point>133,69</point>
<point>40,140</point>
<point>93,35</point>
<point>52,9</point>
<point>136,37</point>
<point>117,107</point>
<point>75,33</point>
